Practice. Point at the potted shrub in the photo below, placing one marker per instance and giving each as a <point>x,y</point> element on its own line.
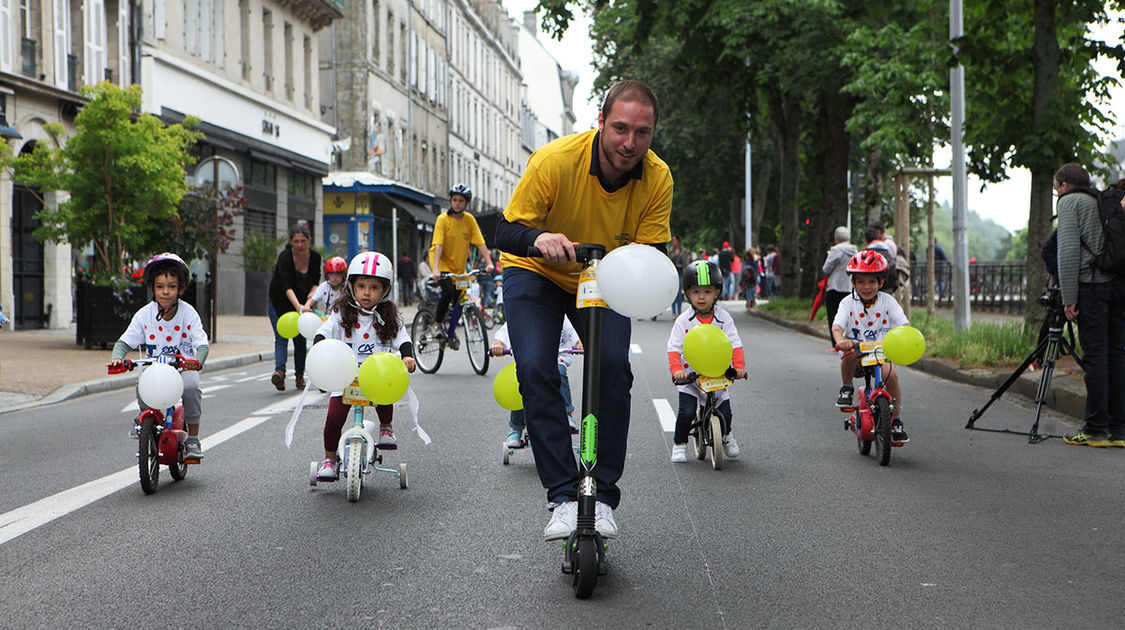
<point>124,172</point>
<point>259,253</point>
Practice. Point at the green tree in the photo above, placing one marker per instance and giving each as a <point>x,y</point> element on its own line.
<point>124,173</point>
<point>1028,78</point>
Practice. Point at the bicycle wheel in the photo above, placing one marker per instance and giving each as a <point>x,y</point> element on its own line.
<point>716,442</point>
<point>179,469</point>
<point>476,339</point>
<point>355,469</point>
<point>428,348</point>
<point>148,456</point>
<point>882,418</point>
<point>487,317</point>
<point>586,568</point>
<point>699,438</point>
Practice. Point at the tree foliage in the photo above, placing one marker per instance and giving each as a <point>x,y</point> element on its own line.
<point>124,174</point>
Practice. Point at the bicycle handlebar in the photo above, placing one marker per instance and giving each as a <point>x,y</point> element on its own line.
<point>178,361</point>
<point>475,273</point>
<point>731,374</point>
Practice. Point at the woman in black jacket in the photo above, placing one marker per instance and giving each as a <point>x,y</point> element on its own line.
<point>292,283</point>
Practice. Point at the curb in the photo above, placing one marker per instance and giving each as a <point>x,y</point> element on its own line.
<point>76,390</point>
<point>1066,395</point>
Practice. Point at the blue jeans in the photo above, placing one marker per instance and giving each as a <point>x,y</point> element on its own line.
<point>535,307</point>
<point>281,346</point>
<point>729,285</point>
<point>516,421</point>
<point>1101,330</point>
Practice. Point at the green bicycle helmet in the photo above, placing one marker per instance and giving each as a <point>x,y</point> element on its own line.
<point>702,273</point>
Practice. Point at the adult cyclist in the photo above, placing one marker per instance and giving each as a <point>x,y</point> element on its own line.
<point>454,231</point>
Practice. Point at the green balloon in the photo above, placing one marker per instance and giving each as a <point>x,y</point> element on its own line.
<point>904,345</point>
<point>287,325</point>
<point>383,378</point>
<point>707,350</point>
<point>506,388</point>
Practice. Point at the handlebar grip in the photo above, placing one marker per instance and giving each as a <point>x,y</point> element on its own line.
<point>686,381</point>
<point>126,366</point>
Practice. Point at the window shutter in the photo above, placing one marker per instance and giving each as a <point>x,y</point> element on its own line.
<point>123,27</point>
<point>62,43</point>
<point>93,37</point>
<point>6,36</point>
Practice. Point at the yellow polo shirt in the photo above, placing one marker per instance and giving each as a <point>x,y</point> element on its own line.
<point>558,193</point>
<point>455,236</point>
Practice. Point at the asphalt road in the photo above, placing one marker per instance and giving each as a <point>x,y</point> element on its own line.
<point>963,529</point>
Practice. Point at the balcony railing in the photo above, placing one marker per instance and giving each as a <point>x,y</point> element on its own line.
<point>992,285</point>
<point>109,74</point>
<point>28,50</point>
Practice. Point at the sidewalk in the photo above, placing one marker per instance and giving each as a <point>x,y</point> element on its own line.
<point>1066,395</point>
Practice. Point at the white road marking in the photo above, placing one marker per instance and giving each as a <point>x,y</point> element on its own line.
<point>635,348</point>
<point>665,414</point>
<point>259,377</point>
<point>33,515</point>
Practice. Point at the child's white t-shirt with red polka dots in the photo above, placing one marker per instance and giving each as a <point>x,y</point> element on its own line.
<point>871,323</point>
<point>183,333</point>
<point>363,340</point>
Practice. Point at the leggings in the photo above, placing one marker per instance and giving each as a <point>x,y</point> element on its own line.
<point>338,415</point>
<point>689,406</point>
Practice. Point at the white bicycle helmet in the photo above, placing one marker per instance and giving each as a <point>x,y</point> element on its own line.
<point>372,264</point>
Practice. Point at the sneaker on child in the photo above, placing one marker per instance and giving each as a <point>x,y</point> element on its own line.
<point>327,470</point>
<point>513,440</point>
<point>898,434</point>
<point>192,449</point>
<point>564,519</point>
<point>386,435</point>
<point>679,453</point>
<point>844,401</point>
<point>730,447</point>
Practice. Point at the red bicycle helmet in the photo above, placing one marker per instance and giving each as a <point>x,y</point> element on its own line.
<point>867,261</point>
<point>335,264</point>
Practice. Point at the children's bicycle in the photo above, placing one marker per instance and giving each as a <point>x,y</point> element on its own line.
<point>358,452</point>
<point>873,416</point>
<point>525,441</point>
<point>161,435</point>
<point>707,428</point>
<point>429,344</point>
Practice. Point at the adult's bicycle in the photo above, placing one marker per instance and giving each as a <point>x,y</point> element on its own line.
<point>430,339</point>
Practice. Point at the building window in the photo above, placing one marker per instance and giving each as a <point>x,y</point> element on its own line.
<point>309,87</point>
<point>391,43</point>
<point>375,31</point>
<point>244,36</point>
<point>267,44</point>
<point>287,41</point>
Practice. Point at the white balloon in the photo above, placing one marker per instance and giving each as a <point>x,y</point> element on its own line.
<point>308,324</point>
<point>160,386</point>
<point>637,280</point>
<point>332,365</point>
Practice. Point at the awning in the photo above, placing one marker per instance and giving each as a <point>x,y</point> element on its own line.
<point>9,133</point>
<point>417,211</point>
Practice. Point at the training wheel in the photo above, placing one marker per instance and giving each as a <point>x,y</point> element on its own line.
<point>402,475</point>
<point>507,455</point>
<point>312,474</point>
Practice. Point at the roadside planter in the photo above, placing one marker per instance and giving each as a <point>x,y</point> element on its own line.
<point>104,312</point>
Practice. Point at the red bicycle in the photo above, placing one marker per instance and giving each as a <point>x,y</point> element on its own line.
<point>161,433</point>
<point>872,416</point>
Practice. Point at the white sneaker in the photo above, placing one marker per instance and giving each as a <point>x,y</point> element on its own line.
<point>514,439</point>
<point>679,453</point>
<point>603,520</point>
<point>730,447</point>
<point>564,519</point>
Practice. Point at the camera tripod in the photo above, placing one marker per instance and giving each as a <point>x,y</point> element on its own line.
<point>1052,345</point>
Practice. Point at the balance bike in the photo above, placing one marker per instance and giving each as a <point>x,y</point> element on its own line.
<point>874,411</point>
<point>161,435</point>
<point>358,452</point>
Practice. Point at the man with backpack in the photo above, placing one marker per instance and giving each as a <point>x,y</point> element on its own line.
<point>1094,297</point>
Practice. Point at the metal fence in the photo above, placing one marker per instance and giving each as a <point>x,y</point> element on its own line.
<point>992,285</point>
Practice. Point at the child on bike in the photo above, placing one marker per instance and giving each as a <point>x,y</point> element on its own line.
<point>702,283</point>
<point>567,341</point>
<point>329,291</point>
<point>867,315</point>
<point>367,320</point>
<point>165,327</point>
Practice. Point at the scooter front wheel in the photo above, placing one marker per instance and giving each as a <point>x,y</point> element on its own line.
<point>585,567</point>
